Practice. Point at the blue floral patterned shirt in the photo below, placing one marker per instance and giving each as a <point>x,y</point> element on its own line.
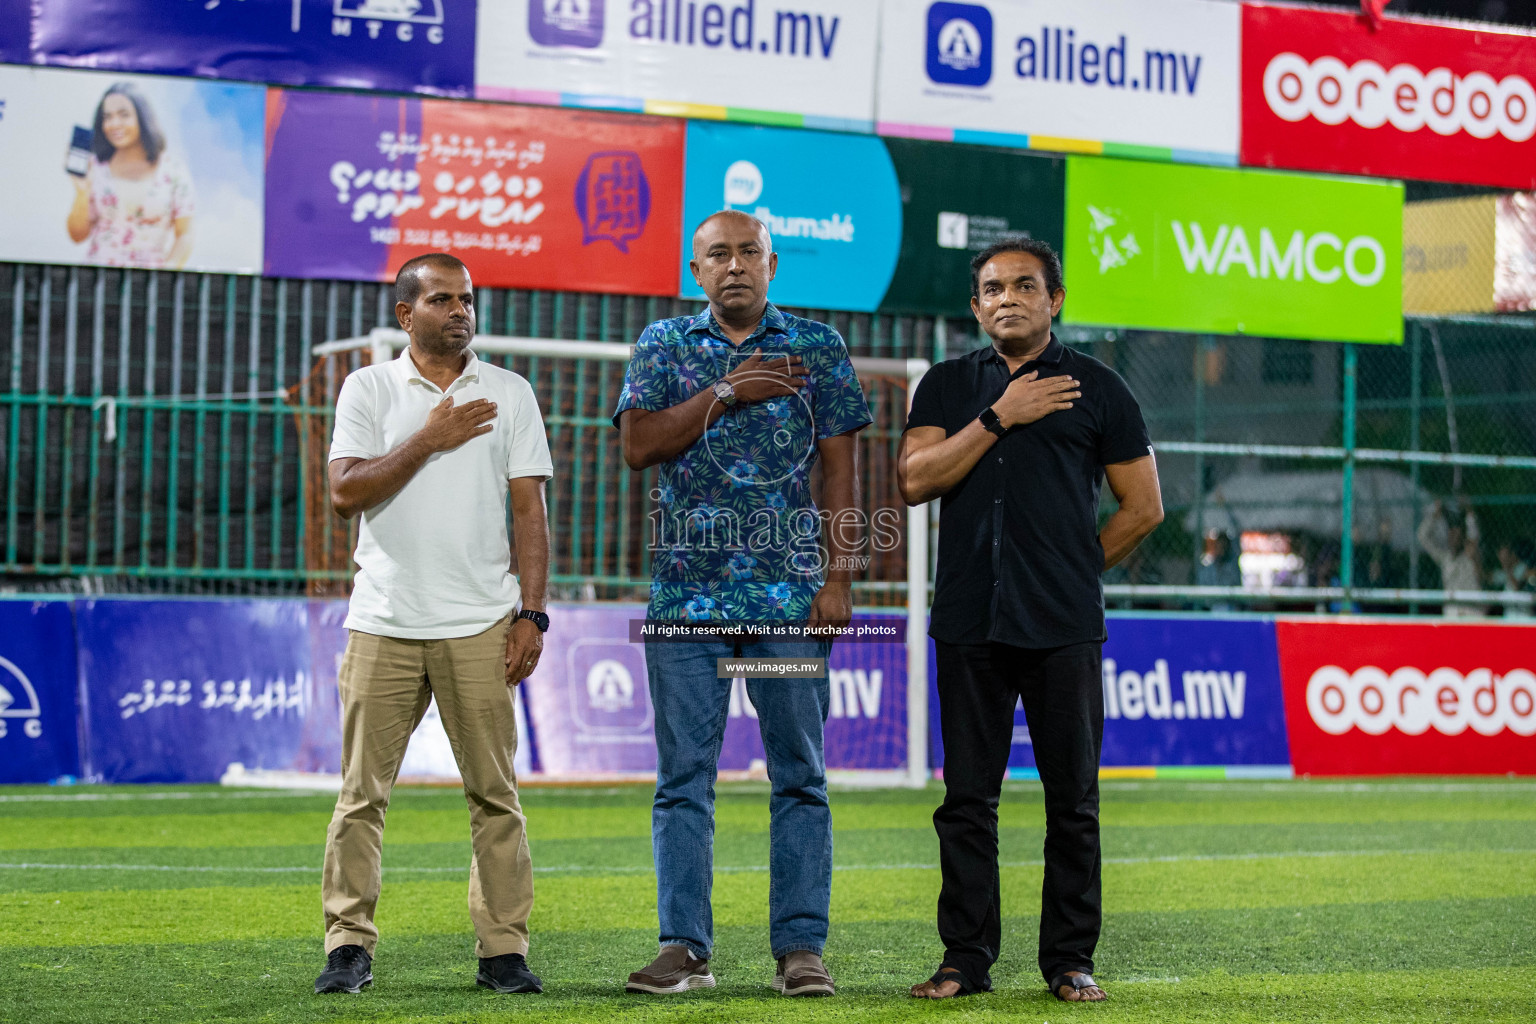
<point>734,531</point>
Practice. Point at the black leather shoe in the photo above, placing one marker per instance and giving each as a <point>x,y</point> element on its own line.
<point>346,970</point>
<point>507,973</point>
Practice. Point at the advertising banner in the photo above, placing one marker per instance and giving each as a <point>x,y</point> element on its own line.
<point>528,197</point>
<point>177,690</point>
<point>130,171</point>
<point>39,703</point>
<point>590,708</point>
<point>1412,99</point>
<point>15,31</point>
<point>1475,254</point>
<point>832,203</point>
<point>392,45</point>
<point>1182,691</point>
<point>1381,698</point>
<point>1220,251</point>
<point>809,65</point>
<point>1118,77</point>
<point>956,201</point>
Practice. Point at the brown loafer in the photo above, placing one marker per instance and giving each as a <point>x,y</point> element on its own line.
<point>675,969</point>
<point>802,973</point>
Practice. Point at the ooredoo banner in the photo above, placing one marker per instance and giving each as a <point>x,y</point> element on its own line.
<point>1204,249</point>
<point>1374,698</point>
<point>832,203</point>
<point>130,171</point>
<point>811,64</point>
<point>1119,77</point>
<point>1412,99</point>
<point>394,45</point>
<point>528,197</point>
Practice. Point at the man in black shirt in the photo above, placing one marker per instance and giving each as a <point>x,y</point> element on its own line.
<point>1016,439</point>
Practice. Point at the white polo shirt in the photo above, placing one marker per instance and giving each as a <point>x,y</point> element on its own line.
<point>434,560</point>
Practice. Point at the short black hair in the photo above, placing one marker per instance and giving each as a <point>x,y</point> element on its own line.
<point>408,279</point>
<point>1050,261</point>
<point>150,135</point>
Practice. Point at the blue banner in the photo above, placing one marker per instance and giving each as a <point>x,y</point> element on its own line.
<point>1177,691</point>
<point>39,705</point>
<point>391,45</point>
<point>176,691</point>
<point>15,33</point>
<point>831,202</point>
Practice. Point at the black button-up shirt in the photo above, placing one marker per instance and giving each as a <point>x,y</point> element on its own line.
<point>1019,553</point>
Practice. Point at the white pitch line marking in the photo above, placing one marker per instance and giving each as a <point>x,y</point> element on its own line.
<point>731,869</point>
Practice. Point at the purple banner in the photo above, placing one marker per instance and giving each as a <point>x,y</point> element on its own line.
<point>391,45</point>
<point>590,709</point>
<point>15,32</point>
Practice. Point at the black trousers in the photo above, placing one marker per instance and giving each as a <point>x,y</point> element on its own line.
<point>979,686</point>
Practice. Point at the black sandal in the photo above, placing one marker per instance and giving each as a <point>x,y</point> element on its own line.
<point>953,974</point>
<point>1076,982</point>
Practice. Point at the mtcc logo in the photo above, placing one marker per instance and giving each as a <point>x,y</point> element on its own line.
<point>959,44</point>
<point>566,22</point>
<point>1111,244</point>
<point>18,700</point>
<point>405,14</point>
<point>610,687</point>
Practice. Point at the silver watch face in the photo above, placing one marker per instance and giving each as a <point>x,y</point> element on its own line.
<point>725,392</point>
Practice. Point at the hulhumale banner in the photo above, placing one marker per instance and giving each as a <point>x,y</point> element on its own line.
<point>1118,77</point>
<point>1211,250</point>
<point>590,708</point>
<point>1413,99</point>
<point>130,171</point>
<point>39,703</point>
<point>811,66</point>
<point>528,197</point>
<point>956,201</point>
<point>832,203</point>
<point>393,45</point>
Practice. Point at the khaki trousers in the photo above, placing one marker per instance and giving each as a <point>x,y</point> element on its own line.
<point>385,686</point>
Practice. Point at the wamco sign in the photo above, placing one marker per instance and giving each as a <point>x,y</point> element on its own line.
<point>1210,250</point>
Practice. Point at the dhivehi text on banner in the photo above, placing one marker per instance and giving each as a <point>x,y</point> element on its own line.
<point>528,197</point>
<point>831,202</point>
<point>956,201</point>
<point>1118,77</point>
<point>747,60</point>
<point>393,45</point>
<point>1412,99</point>
<point>1211,250</point>
<point>130,171</point>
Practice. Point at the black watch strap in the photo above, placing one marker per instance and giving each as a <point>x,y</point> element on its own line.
<point>990,421</point>
<point>539,619</point>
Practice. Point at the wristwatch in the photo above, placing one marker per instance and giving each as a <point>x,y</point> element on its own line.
<point>990,421</point>
<point>725,392</point>
<point>539,619</point>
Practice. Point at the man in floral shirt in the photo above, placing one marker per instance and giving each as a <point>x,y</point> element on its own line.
<point>736,405</point>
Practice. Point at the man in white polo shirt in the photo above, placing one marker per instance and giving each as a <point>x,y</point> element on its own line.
<point>428,448</point>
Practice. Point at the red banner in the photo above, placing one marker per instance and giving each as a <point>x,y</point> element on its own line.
<point>1379,698</point>
<point>528,197</point>
<point>1414,99</point>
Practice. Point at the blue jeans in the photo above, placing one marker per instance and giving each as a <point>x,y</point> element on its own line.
<point>691,706</point>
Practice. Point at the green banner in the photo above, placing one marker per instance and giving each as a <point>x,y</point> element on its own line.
<point>956,201</point>
<point>1209,250</point>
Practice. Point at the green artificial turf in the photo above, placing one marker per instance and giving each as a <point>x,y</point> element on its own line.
<point>1392,900</point>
